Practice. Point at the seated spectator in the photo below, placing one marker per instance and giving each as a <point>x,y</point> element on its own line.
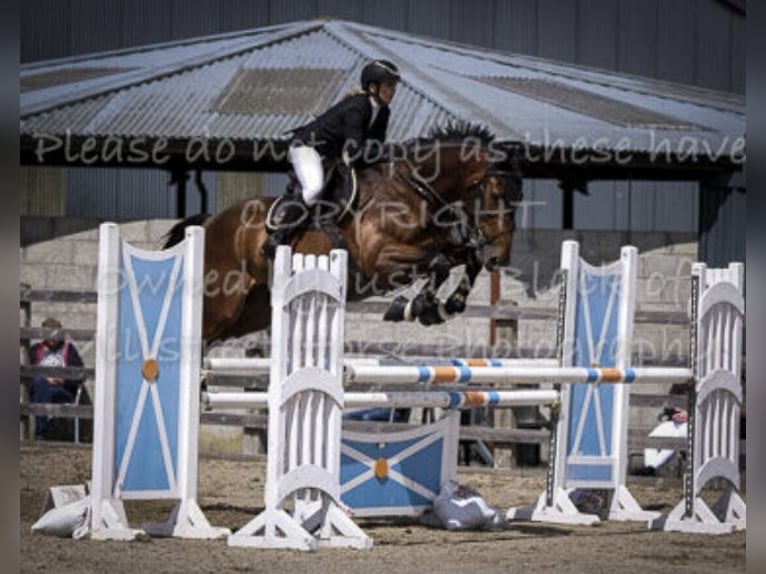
<point>54,351</point>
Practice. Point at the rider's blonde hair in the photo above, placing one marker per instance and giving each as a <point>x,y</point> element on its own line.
<point>357,91</point>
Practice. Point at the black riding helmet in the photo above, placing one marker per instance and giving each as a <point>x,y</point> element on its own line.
<point>379,71</point>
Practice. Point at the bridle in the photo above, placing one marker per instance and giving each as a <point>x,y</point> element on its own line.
<point>502,175</point>
<point>471,236</point>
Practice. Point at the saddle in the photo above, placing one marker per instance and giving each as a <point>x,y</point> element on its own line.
<point>338,198</point>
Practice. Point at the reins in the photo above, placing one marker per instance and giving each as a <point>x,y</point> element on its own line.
<point>470,236</point>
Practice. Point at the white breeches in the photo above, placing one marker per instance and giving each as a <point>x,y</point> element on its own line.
<point>308,169</point>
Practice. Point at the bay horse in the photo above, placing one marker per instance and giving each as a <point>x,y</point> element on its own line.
<point>445,201</point>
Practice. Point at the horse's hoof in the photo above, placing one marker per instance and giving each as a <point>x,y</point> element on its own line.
<point>395,312</point>
<point>455,305</point>
<point>420,306</point>
<point>428,311</point>
<point>431,317</point>
<point>431,312</point>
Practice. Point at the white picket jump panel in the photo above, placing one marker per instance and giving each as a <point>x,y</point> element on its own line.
<point>305,400</point>
<point>147,385</point>
<point>718,310</point>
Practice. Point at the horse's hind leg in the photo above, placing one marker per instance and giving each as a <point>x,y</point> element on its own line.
<point>255,314</point>
<point>218,314</point>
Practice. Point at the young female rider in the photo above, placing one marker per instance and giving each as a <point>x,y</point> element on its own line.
<point>344,128</point>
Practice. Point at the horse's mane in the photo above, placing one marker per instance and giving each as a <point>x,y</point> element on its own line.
<point>458,131</point>
<point>453,132</point>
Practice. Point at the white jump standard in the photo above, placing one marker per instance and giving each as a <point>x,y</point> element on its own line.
<point>589,445</point>
<point>147,385</point>
<point>718,311</point>
<point>305,400</point>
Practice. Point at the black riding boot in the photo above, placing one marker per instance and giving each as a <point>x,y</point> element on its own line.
<point>288,221</point>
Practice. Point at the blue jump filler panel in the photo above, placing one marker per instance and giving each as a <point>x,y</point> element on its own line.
<point>590,443</point>
<point>149,324</point>
<point>397,473</point>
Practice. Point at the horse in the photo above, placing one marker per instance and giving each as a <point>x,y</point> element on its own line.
<point>442,201</point>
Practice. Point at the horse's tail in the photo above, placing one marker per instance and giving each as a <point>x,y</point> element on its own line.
<point>176,233</point>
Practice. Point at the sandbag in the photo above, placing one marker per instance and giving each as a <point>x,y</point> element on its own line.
<point>69,520</point>
<point>459,507</point>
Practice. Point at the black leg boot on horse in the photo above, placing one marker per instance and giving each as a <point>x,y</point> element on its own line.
<point>291,217</point>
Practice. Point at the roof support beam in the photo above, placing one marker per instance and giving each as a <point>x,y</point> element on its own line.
<point>178,178</point>
<point>567,210</point>
<point>202,190</point>
<point>571,182</point>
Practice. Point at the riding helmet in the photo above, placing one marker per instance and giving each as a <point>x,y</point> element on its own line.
<point>379,71</point>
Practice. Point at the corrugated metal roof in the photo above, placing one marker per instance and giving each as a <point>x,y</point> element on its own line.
<point>43,80</point>
<point>585,102</point>
<point>277,91</point>
<point>262,83</point>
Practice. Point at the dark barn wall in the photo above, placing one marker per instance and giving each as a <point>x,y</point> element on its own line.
<point>700,42</point>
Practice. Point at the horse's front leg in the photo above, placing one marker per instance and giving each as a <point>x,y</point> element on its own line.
<point>425,306</point>
<point>456,302</point>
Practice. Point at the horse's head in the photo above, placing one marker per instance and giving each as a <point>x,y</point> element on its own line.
<point>496,198</point>
<point>458,163</point>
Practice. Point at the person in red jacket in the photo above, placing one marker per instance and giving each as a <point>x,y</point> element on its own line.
<point>54,351</point>
<point>345,128</point>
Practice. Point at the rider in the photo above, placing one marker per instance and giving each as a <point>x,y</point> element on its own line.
<point>360,117</point>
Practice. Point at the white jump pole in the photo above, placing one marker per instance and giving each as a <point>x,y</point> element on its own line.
<point>260,365</point>
<point>514,375</point>
<point>426,399</point>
